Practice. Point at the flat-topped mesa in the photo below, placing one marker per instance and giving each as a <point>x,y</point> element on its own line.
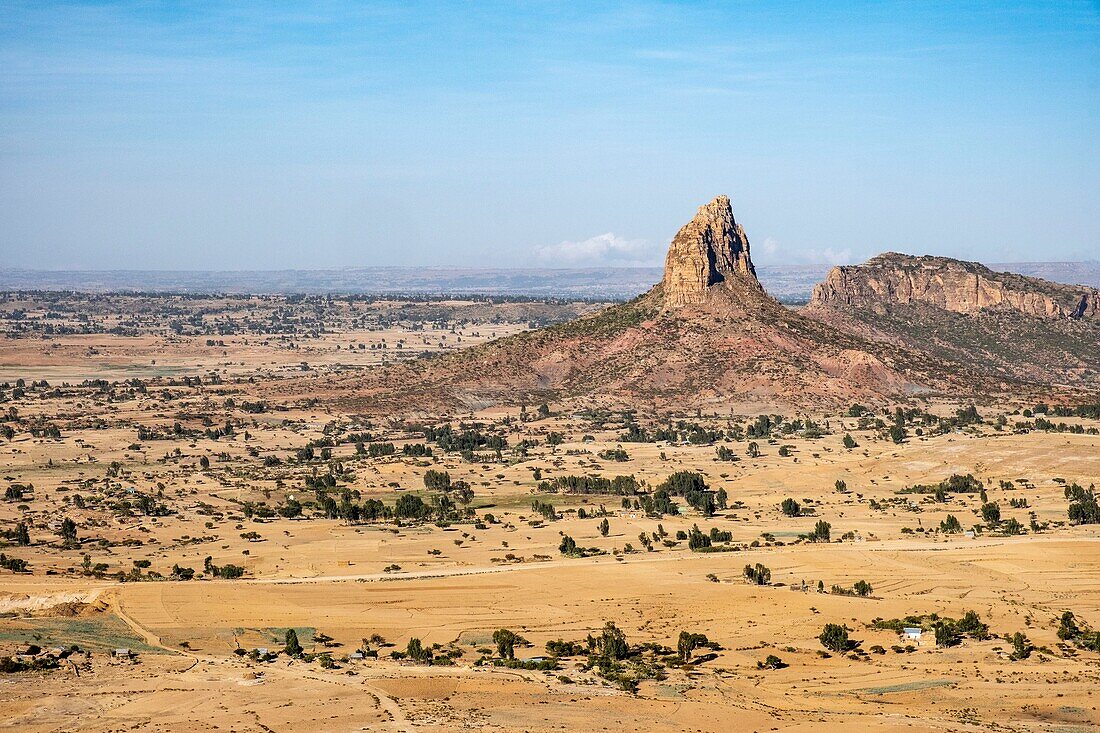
<point>709,250</point>
<point>954,285</point>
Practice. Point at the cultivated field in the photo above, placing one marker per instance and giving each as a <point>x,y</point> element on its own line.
<point>168,499</point>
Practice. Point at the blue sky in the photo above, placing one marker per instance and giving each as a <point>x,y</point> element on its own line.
<point>302,135</point>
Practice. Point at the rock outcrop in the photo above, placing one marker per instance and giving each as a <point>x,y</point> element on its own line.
<point>709,251</point>
<point>953,285</point>
<point>709,337</point>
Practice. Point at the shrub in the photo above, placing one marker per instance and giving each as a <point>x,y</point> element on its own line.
<point>771,662</point>
<point>834,637</point>
<point>758,575</point>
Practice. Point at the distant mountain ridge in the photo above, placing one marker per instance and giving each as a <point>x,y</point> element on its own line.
<point>789,283</point>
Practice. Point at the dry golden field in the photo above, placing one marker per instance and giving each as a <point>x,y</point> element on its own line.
<point>159,471</point>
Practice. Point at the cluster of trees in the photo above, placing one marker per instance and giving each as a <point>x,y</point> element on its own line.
<point>614,454</point>
<point>20,535</point>
<point>228,571</point>
<point>1070,630</point>
<point>618,485</point>
<point>1087,411</point>
<point>1051,427</point>
<point>1021,647</point>
<point>681,432</point>
<point>547,510</point>
<point>657,504</point>
<point>950,525</point>
<point>693,487</point>
<point>763,426</point>
<point>416,651</point>
<point>467,441</point>
<point>14,564</point>
<point>954,484</point>
<point>1083,508</point>
<point>351,511</point>
<point>697,540</point>
<point>861,588</point>
<point>820,533</point>
<point>688,643</point>
<point>378,450</point>
<point>948,631</point>
<point>181,573</point>
<point>758,574</point>
<point>437,480</point>
<point>725,454</point>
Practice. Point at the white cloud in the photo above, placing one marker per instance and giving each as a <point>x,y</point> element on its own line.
<point>603,249</point>
<point>828,256</point>
<point>773,253</point>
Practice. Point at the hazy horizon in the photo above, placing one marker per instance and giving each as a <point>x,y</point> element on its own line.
<point>788,283</point>
<point>318,136</point>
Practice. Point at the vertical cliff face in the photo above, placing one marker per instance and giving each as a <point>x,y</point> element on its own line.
<point>953,285</point>
<point>709,251</point>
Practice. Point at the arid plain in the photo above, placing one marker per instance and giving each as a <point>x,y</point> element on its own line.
<point>161,473</point>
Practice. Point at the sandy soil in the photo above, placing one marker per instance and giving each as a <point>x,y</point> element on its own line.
<point>454,583</point>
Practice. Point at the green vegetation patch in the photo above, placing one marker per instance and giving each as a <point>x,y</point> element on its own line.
<point>102,633</point>
<point>908,686</point>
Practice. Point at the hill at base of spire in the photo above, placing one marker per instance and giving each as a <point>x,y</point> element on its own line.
<point>709,336</point>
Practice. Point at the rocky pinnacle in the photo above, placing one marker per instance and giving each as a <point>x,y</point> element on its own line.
<point>711,250</point>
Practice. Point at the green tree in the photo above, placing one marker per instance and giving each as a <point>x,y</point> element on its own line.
<point>68,530</point>
<point>863,588</point>
<point>506,643</point>
<point>991,513</point>
<point>292,647</point>
<point>22,535</point>
<point>568,546</point>
<point>834,637</point>
<point>437,480</point>
<point>689,642</point>
<point>1021,647</point>
<point>758,575</point>
<point>605,527</point>
<point>416,651</point>
<point>950,525</point>
<point>946,634</point>
<point>791,508</point>
<point>972,624</point>
<point>771,662</point>
<point>754,449</point>
<point>612,642</point>
<point>849,442</point>
<point>821,531</point>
